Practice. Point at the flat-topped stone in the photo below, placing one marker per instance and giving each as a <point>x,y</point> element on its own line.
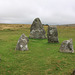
<point>52,34</point>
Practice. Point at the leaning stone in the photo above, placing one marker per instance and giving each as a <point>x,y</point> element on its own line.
<point>67,46</point>
<point>73,73</point>
<point>22,43</point>
<point>52,35</point>
<point>37,31</point>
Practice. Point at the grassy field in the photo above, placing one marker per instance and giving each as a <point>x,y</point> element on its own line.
<point>42,58</point>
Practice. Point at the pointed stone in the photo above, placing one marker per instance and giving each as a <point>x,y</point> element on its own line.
<point>22,43</point>
<point>37,31</point>
<point>67,46</point>
<point>52,34</point>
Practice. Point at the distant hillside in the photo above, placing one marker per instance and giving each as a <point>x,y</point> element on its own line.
<point>68,25</point>
<point>43,24</point>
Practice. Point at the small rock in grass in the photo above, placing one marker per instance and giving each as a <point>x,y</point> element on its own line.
<point>73,73</point>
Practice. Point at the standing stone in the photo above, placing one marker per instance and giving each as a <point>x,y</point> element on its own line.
<point>52,35</point>
<point>73,73</point>
<point>37,31</point>
<point>22,43</point>
<point>67,46</point>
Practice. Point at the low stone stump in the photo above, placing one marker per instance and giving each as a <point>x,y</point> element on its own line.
<point>22,43</point>
<point>67,46</point>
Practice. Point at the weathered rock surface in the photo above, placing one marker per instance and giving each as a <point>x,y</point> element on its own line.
<point>52,35</point>
<point>67,46</point>
<point>37,31</point>
<point>22,43</point>
<point>73,73</point>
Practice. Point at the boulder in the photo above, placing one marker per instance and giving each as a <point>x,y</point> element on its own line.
<point>37,31</point>
<point>52,34</point>
<point>22,43</point>
<point>67,46</point>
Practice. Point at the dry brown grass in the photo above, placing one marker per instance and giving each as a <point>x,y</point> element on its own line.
<point>14,26</point>
<point>27,26</point>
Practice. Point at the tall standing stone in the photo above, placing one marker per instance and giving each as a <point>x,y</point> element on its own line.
<point>22,43</point>
<point>67,46</point>
<point>52,35</point>
<point>37,31</point>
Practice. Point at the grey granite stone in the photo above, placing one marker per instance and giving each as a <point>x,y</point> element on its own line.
<point>67,46</point>
<point>52,34</point>
<point>37,31</point>
<point>22,43</point>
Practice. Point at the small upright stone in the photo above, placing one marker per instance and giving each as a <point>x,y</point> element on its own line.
<point>52,35</point>
<point>37,31</point>
<point>73,73</point>
<point>67,46</point>
<point>22,43</point>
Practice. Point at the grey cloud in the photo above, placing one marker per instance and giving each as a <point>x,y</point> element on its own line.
<point>49,11</point>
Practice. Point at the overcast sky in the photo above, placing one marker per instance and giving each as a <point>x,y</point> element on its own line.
<point>49,11</point>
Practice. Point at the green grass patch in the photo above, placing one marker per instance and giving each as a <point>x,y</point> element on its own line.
<point>42,58</point>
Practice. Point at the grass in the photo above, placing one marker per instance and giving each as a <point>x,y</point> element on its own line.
<point>42,58</point>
